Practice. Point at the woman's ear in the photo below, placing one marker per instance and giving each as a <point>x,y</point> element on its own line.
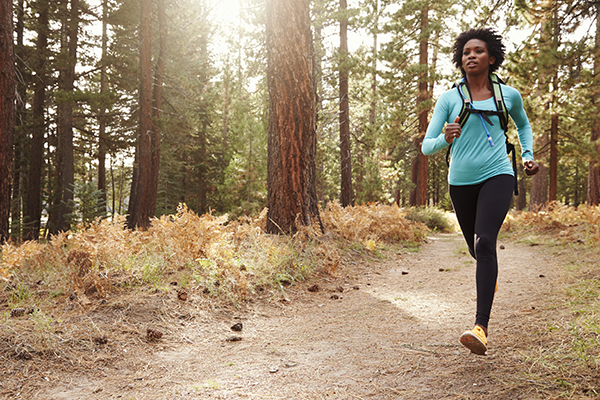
<point>492,60</point>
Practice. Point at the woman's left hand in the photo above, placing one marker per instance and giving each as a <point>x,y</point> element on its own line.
<point>531,167</point>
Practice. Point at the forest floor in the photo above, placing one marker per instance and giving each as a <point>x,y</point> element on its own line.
<point>381,329</point>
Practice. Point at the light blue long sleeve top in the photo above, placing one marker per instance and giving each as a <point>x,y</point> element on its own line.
<point>473,160</point>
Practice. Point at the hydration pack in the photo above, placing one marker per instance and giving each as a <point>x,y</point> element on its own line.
<point>501,111</point>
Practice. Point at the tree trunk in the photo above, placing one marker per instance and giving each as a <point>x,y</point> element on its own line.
<point>418,196</point>
<point>521,202</point>
<point>553,158</point>
<point>292,142</point>
<point>31,220</point>
<point>202,142</point>
<point>346,193</point>
<point>157,103</point>
<point>375,32</point>
<point>141,186</point>
<point>539,182</point>
<point>593,194</point>
<point>102,138</point>
<point>223,158</point>
<point>20,128</point>
<point>7,113</point>
<point>60,218</point>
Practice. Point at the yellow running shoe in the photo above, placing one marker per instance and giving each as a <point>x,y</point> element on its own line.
<point>475,340</point>
<point>496,290</point>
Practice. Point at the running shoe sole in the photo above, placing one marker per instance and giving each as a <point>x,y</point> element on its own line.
<point>473,343</point>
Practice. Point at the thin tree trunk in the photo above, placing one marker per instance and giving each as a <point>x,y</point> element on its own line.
<point>521,201</point>
<point>223,159</point>
<point>102,138</point>
<point>318,10</point>
<point>20,129</point>
<point>250,174</point>
<point>291,198</point>
<point>31,223</point>
<point>141,186</point>
<point>346,192</point>
<point>202,141</point>
<point>593,194</point>
<point>553,160</point>
<point>113,186</point>
<point>552,189</point>
<point>121,186</point>
<point>539,182</point>
<point>7,113</point>
<point>418,196</point>
<point>374,63</point>
<point>157,103</point>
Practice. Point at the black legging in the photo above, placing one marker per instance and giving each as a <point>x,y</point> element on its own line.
<point>480,210</point>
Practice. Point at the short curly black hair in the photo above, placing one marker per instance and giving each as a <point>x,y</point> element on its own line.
<point>492,39</point>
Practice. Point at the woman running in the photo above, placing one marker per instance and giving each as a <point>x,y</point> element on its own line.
<point>480,177</point>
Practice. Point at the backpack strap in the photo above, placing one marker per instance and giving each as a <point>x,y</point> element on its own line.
<point>465,94</point>
<point>499,100</point>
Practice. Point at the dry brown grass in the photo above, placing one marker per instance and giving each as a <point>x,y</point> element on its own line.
<point>224,257</point>
<point>568,223</point>
<point>372,222</point>
<point>571,235</point>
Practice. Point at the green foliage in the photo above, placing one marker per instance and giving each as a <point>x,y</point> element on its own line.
<point>433,218</point>
<point>89,204</point>
<point>18,295</point>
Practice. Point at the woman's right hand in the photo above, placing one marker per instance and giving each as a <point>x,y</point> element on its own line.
<point>452,131</point>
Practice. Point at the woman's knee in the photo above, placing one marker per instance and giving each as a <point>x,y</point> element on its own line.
<point>485,244</point>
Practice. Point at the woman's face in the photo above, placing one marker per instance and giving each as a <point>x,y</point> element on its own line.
<point>475,57</point>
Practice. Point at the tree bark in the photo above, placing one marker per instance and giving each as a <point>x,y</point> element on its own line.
<point>102,138</point>
<point>21,130</point>
<point>552,188</point>
<point>60,216</point>
<point>31,220</point>
<point>346,193</point>
<point>521,201</point>
<point>157,103</point>
<point>539,182</point>
<point>7,113</point>
<point>418,196</point>
<point>375,31</point>
<point>291,197</point>
<point>593,194</point>
<point>141,186</point>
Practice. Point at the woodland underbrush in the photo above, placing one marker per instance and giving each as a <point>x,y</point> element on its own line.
<point>556,221</point>
<point>229,258</point>
<point>571,338</point>
<point>58,296</point>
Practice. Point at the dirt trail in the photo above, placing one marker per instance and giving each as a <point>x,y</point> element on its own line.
<point>391,334</point>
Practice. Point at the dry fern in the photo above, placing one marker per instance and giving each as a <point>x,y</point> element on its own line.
<point>571,223</point>
<point>372,221</point>
<point>223,256</point>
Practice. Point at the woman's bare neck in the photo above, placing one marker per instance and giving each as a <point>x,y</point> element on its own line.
<point>480,87</point>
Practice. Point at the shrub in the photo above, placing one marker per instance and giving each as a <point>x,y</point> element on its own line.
<point>433,218</point>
